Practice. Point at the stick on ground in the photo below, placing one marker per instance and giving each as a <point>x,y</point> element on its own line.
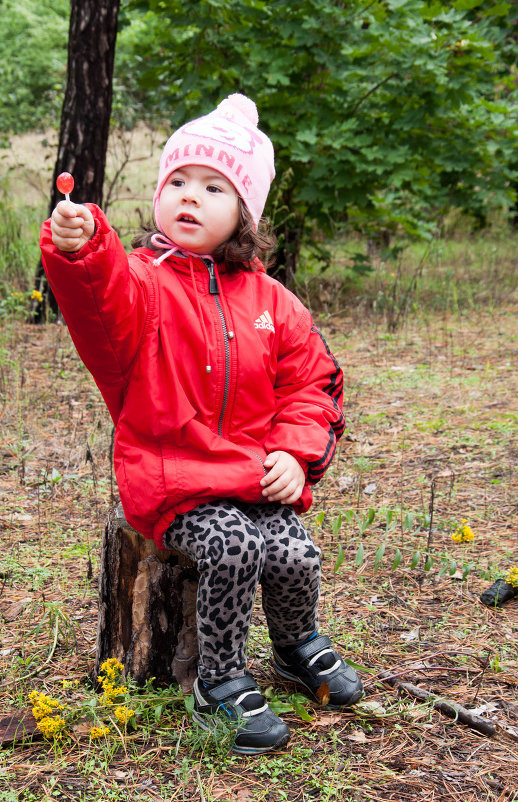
<point>449,708</point>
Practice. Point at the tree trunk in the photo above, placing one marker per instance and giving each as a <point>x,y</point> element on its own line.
<point>147,607</point>
<point>287,256</point>
<point>85,117</point>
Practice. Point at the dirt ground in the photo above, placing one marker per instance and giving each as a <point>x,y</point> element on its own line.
<point>432,417</point>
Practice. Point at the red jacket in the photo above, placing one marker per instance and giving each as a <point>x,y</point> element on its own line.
<point>184,435</point>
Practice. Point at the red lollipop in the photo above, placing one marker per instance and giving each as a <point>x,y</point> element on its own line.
<point>65,184</point>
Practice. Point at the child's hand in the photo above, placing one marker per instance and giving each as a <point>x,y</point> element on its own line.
<point>72,225</point>
<point>285,481</point>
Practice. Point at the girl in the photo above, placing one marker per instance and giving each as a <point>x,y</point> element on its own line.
<point>227,405</point>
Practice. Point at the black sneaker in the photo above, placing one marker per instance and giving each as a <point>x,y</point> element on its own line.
<point>258,730</point>
<point>317,666</point>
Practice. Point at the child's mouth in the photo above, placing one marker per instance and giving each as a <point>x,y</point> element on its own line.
<point>188,219</point>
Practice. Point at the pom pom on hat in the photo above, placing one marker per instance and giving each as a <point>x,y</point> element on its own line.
<point>243,104</point>
<point>228,141</point>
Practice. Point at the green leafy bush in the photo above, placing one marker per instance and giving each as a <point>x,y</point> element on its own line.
<point>33,58</point>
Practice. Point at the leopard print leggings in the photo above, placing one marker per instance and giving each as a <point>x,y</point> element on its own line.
<point>236,546</point>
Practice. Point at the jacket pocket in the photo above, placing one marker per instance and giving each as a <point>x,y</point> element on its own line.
<point>227,471</point>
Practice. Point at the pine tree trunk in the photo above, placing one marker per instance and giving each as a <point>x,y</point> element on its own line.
<point>287,256</point>
<point>85,117</point>
<point>147,607</point>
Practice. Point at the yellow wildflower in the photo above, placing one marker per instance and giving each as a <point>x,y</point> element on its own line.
<point>123,714</point>
<point>112,669</point>
<point>52,726</point>
<point>70,683</point>
<point>37,296</point>
<point>512,576</point>
<point>111,691</point>
<point>110,676</point>
<point>43,706</point>
<point>463,533</point>
<point>99,732</point>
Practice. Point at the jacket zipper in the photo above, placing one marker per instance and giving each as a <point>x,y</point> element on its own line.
<point>214,291</point>
<point>251,451</point>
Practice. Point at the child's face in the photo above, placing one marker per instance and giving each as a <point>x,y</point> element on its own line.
<point>198,208</point>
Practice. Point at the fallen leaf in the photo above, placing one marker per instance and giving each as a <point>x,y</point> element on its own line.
<point>490,707</point>
<point>219,793</point>
<point>412,635</point>
<point>358,736</point>
<point>458,574</point>
<point>15,609</point>
<point>82,730</point>
<point>444,474</point>
<point>512,732</point>
<point>232,794</point>
<point>346,482</point>
<point>329,720</point>
<point>323,694</point>
<point>370,707</point>
<point>244,795</point>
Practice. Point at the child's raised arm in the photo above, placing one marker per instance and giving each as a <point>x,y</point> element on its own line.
<point>72,225</point>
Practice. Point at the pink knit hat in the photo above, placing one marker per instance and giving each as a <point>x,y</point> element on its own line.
<point>228,140</point>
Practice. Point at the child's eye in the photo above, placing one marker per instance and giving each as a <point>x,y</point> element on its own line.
<point>213,188</point>
<point>177,182</point>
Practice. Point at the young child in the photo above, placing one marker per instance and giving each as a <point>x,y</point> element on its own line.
<point>227,405</point>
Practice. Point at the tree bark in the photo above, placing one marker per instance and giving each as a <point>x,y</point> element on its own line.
<point>85,117</point>
<point>147,607</point>
<point>287,256</point>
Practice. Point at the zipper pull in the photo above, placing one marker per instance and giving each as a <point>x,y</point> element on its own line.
<point>213,282</point>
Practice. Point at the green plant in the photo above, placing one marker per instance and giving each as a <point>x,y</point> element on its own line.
<point>395,104</point>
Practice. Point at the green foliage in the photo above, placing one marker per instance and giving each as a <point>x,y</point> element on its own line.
<point>372,553</point>
<point>382,114</point>
<point>18,255</point>
<point>33,58</point>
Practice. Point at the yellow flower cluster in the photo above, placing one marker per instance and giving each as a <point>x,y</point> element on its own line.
<point>45,710</point>
<point>99,732</point>
<point>512,576</point>
<point>111,671</point>
<point>111,691</point>
<point>123,714</point>
<point>463,533</point>
<point>36,296</point>
<point>52,726</point>
<point>43,706</point>
<point>70,683</point>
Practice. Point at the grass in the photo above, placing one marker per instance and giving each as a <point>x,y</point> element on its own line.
<point>430,399</point>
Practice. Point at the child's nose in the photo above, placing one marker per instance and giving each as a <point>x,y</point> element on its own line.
<point>191,194</point>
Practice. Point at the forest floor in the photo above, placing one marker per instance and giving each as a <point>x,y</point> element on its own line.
<point>432,415</point>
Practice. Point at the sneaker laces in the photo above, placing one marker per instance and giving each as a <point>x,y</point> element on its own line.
<point>326,661</point>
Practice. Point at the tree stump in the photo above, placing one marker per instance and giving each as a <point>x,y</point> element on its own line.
<point>147,607</point>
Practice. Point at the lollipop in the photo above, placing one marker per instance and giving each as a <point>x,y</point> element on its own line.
<point>65,184</point>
